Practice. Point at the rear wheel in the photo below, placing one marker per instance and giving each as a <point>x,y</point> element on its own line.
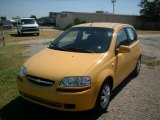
<point>103,98</point>
<point>137,68</point>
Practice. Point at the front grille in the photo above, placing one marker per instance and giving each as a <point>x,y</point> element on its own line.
<point>46,102</point>
<point>40,81</point>
<point>30,28</point>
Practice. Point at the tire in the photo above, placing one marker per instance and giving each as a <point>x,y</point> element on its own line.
<point>137,69</point>
<point>18,32</point>
<point>21,33</point>
<point>37,34</point>
<point>103,98</point>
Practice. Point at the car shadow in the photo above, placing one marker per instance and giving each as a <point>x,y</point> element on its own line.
<point>121,86</point>
<point>23,35</point>
<point>19,109</point>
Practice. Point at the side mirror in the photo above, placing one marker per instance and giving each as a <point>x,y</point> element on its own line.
<point>124,49</point>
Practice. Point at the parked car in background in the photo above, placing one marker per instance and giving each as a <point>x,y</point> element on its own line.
<point>1,24</point>
<point>80,68</point>
<point>14,23</point>
<point>2,34</point>
<point>7,24</point>
<point>27,26</point>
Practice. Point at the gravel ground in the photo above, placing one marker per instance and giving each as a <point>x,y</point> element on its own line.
<point>151,45</point>
<point>136,98</point>
<point>139,99</point>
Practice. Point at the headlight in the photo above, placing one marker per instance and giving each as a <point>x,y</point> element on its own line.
<point>22,72</point>
<point>75,82</point>
<point>37,27</point>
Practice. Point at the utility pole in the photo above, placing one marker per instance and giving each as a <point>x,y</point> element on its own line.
<point>113,1</point>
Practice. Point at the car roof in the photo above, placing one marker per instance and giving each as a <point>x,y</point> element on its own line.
<point>102,25</point>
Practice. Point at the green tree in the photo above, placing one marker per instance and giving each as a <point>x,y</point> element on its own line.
<point>100,11</point>
<point>3,18</point>
<point>33,16</point>
<point>46,21</point>
<point>150,9</point>
<point>75,22</point>
<point>47,18</point>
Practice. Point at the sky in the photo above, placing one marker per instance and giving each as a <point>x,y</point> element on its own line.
<point>26,8</point>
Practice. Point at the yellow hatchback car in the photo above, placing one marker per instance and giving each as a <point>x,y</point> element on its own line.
<point>81,67</point>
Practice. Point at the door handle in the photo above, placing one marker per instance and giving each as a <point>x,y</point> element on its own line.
<point>112,64</point>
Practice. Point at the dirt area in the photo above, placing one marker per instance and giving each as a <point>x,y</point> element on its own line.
<point>33,46</point>
<point>12,36</point>
<point>136,98</point>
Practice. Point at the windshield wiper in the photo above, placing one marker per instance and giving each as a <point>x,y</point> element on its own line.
<point>56,47</point>
<point>80,50</point>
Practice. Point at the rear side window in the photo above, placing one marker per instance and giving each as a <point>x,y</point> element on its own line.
<point>131,35</point>
<point>121,38</point>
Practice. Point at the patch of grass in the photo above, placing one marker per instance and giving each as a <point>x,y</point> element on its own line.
<point>149,61</point>
<point>11,59</point>
<point>11,35</point>
<point>147,32</point>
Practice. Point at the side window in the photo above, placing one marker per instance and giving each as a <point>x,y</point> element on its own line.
<point>131,35</point>
<point>121,38</point>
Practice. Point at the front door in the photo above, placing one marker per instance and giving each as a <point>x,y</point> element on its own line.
<point>122,63</point>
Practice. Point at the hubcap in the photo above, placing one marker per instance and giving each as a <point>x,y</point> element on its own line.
<point>105,95</point>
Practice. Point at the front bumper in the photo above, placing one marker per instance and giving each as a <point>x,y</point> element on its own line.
<point>30,31</point>
<point>49,97</point>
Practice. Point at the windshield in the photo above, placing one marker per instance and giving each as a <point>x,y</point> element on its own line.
<point>28,21</point>
<point>84,39</point>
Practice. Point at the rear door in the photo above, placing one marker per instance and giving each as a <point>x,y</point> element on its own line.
<point>134,45</point>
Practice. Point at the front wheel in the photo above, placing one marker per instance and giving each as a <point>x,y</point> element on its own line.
<point>103,98</point>
<point>18,32</point>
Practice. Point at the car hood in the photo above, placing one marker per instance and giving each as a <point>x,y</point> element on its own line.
<point>55,65</point>
<point>29,25</point>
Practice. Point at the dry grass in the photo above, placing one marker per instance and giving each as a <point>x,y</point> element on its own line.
<point>11,35</point>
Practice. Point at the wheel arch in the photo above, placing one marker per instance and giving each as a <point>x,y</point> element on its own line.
<point>109,80</point>
<point>106,75</point>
